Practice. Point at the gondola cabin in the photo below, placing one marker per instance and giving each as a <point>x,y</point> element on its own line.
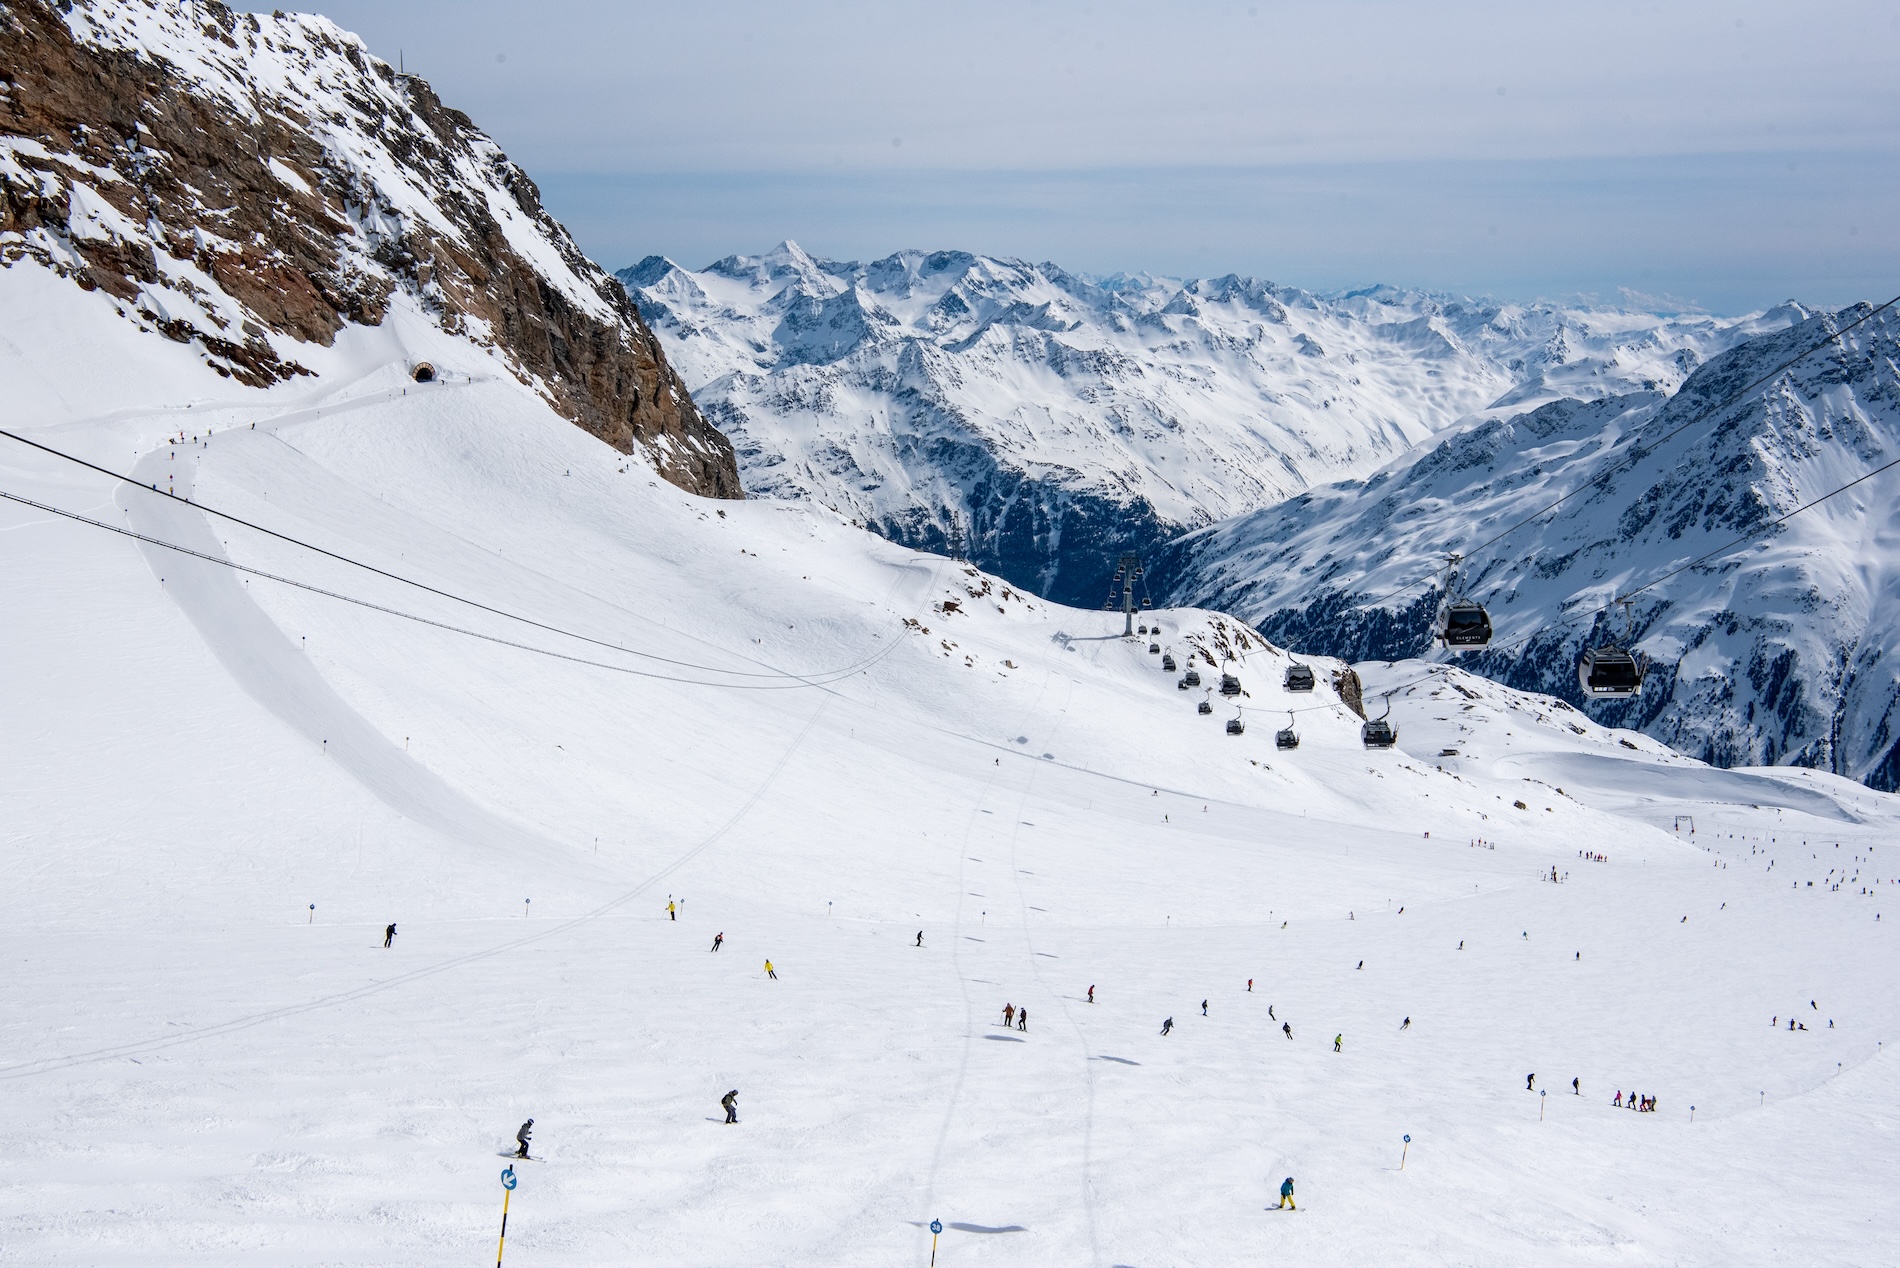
<point>1300,677</point>
<point>1378,733</point>
<point>1465,625</point>
<point>1167,662</point>
<point>1609,673</point>
<point>1229,685</point>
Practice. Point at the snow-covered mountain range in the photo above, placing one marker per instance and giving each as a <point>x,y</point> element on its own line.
<point>254,186</point>
<point>1785,650</point>
<point>1063,419</point>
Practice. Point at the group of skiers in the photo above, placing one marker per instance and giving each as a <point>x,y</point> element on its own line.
<point>1018,1015</point>
<point>1641,1104</point>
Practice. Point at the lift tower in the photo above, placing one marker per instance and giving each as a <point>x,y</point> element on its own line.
<point>1127,572</point>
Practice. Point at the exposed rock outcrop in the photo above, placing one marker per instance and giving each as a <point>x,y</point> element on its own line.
<point>247,184</point>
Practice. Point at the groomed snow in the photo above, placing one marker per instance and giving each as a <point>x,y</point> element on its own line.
<point>202,1069</point>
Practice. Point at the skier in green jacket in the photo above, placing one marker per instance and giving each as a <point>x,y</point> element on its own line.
<point>1286,1194</point>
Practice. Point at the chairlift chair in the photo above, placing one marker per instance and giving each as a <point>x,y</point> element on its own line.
<point>1229,685</point>
<point>1236,725</point>
<point>1286,737</point>
<point>1299,677</point>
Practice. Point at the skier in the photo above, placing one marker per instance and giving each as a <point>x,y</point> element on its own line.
<point>1091,994</point>
<point>389,936</point>
<point>920,937</point>
<point>770,971</point>
<point>1406,1024</point>
<point>1576,1087</point>
<point>1286,1195</point>
<point>1022,1019</point>
<point>672,912</point>
<point>1362,964</point>
<point>1270,1013</point>
<point>1530,1083</point>
<point>719,940</point>
<point>1287,1027</point>
<point>1167,1025</point>
<point>521,1138</point>
<point>1009,1016</point>
<point>731,1101</point>
<point>1337,1041</point>
<point>1249,986</point>
<point>1203,1008</point>
<point>1618,1102</point>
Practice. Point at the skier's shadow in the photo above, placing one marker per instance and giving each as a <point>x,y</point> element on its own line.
<point>1005,1038</point>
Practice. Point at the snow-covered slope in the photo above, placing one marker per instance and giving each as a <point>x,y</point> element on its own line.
<point>1785,651</point>
<point>1064,420</point>
<point>250,187</point>
<point>219,788</point>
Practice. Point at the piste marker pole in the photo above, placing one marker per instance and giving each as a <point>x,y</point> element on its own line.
<point>508,1191</point>
<point>1406,1149</point>
<point>936,1227</point>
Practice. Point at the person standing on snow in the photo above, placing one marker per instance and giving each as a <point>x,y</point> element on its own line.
<point>719,940</point>
<point>1091,993</point>
<point>521,1139</point>
<point>1203,1008</point>
<point>920,937</point>
<point>389,936</point>
<point>1406,1024</point>
<point>1287,1028</point>
<point>1167,1025</point>
<point>1530,1083</point>
<point>770,971</point>
<point>1009,1016</point>
<point>1337,1041</point>
<point>1249,986</point>
<point>672,912</point>
<point>1022,1019</point>
<point>731,1101</point>
<point>1576,1087</point>
<point>1286,1195</point>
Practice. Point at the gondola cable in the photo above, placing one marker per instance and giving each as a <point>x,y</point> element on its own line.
<point>382,572</point>
<point>790,682</point>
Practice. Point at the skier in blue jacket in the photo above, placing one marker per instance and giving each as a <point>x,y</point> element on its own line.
<point>1286,1194</point>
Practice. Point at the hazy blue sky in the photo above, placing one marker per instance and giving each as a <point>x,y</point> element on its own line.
<point>1723,154</point>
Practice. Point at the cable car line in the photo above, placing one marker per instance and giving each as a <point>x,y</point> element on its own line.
<point>789,681</point>
<point>1642,450</point>
<point>381,572</point>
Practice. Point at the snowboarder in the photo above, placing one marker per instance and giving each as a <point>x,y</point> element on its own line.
<point>1167,1025</point>
<point>672,912</point>
<point>1022,1019</point>
<point>1287,1028</point>
<point>389,936</point>
<point>1406,1024</point>
<point>1530,1083</point>
<point>1576,1087</point>
<point>719,940</point>
<point>1286,1195</point>
<point>1618,1102</point>
<point>1203,1008</point>
<point>920,937</point>
<point>1337,1041</point>
<point>770,971</point>
<point>1009,1016</point>
<point>1091,994</point>
<point>731,1101</point>
<point>521,1139</point>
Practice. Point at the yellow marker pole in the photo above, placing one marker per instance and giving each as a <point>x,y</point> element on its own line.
<point>508,1191</point>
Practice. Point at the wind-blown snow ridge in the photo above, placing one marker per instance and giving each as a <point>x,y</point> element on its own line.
<point>1063,418</point>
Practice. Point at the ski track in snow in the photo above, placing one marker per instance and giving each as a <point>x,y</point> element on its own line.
<point>211,1059</point>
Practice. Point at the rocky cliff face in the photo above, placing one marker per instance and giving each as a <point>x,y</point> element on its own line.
<point>247,184</point>
<point>1063,420</point>
<point>1784,649</point>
